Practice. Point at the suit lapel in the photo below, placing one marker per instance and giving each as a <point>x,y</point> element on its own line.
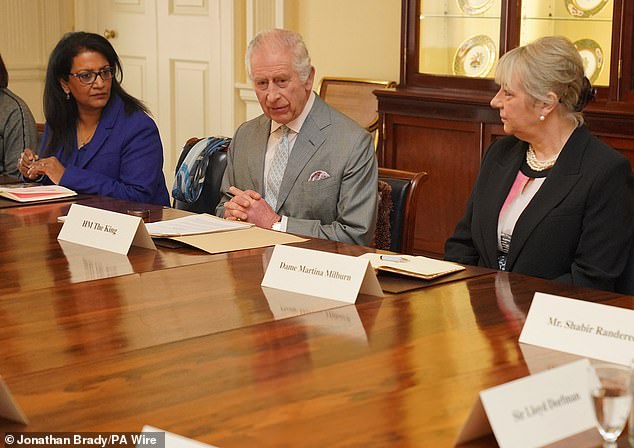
<point>309,139</point>
<point>95,145</point>
<point>257,152</point>
<point>104,128</point>
<point>560,181</point>
<point>493,194</point>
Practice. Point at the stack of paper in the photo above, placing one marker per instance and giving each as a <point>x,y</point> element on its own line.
<point>193,225</point>
<point>411,266</point>
<point>36,193</point>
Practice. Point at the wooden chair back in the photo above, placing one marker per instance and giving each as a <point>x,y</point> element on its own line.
<point>355,98</point>
<point>405,186</point>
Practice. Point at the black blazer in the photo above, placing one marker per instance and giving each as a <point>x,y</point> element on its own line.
<point>578,227</point>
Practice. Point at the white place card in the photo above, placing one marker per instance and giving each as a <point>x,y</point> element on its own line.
<point>321,274</point>
<point>174,440</point>
<point>9,408</point>
<point>536,410</point>
<point>582,328</point>
<point>103,229</point>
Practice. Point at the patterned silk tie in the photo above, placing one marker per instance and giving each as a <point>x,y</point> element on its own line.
<point>276,171</point>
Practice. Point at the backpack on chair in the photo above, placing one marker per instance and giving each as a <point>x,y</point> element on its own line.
<point>201,166</point>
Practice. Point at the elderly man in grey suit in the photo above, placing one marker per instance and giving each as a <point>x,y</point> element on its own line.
<point>302,167</point>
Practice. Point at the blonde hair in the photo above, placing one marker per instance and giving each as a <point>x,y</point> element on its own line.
<point>549,64</point>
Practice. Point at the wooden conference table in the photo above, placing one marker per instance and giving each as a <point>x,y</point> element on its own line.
<point>190,343</point>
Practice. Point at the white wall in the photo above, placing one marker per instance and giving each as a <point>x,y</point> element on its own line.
<point>350,38</point>
<point>353,38</point>
<point>29,29</point>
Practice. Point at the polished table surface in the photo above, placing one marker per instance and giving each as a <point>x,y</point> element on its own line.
<point>190,343</point>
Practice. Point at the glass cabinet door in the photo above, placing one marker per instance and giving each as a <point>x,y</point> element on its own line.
<point>587,23</point>
<point>459,37</point>
<point>464,38</point>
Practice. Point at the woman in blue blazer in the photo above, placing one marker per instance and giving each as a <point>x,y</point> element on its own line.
<point>98,139</point>
<point>551,200</point>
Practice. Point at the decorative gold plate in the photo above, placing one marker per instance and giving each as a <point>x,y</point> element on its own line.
<point>474,7</point>
<point>475,57</point>
<point>584,8</point>
<point>592,56</point>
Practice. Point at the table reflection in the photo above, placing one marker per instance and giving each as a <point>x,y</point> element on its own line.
<point>101,333</point>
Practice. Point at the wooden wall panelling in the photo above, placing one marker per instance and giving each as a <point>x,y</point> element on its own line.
<point>450,152</point>
<point>622,143</point>
<point>614,128</point>
<point>490,133</point>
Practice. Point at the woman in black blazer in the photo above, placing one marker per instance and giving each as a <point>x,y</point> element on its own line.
<point>551,200</point>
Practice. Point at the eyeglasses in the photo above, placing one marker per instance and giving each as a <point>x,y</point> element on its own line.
<point>263,84</point>
<point>89,77</point>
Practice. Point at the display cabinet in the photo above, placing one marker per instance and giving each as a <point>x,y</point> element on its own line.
<point>439,120</point>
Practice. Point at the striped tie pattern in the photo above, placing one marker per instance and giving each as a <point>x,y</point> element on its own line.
<point>276,172</point>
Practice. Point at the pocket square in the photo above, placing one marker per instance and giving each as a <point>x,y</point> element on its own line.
<point>318,175</point>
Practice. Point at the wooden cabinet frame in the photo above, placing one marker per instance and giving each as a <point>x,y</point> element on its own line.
<point>422,102</point>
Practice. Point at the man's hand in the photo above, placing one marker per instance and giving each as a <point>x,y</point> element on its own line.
<point>249,206</point>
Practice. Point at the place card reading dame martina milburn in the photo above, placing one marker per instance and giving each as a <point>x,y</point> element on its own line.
<point>320,274</point>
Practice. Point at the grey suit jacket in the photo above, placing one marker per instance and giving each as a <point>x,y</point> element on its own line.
<point>17,131</point>
<point>342,207</point>
<point>578,227</point>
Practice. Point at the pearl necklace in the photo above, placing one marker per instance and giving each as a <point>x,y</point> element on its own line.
<point>538,165</point>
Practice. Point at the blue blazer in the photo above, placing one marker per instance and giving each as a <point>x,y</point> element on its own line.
<point>123,160</point>
<point>578,227</point>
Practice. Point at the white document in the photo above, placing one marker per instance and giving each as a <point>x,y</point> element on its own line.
<point>321,274</point>
<point>193,225</point>
<point>174,440</point>
<point>536,410</point>
<point>582,328</point>
<point>104,229</point>
<point>9,408</point>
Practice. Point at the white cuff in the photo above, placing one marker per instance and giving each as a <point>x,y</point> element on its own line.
<point>280,226</point>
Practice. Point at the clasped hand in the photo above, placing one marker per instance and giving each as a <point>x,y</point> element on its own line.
<point>251,207</point>
<point>31,166</point>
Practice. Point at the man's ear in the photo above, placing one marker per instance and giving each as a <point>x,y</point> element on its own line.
<point>310,80</point>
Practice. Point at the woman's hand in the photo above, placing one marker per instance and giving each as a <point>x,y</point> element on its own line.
<point>49,166</point>
<point>25,161</point>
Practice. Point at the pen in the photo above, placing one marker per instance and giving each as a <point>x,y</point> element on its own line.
<point>394,258</point>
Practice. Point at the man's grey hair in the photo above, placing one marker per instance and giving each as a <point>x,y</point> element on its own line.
<point>282,39</point>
